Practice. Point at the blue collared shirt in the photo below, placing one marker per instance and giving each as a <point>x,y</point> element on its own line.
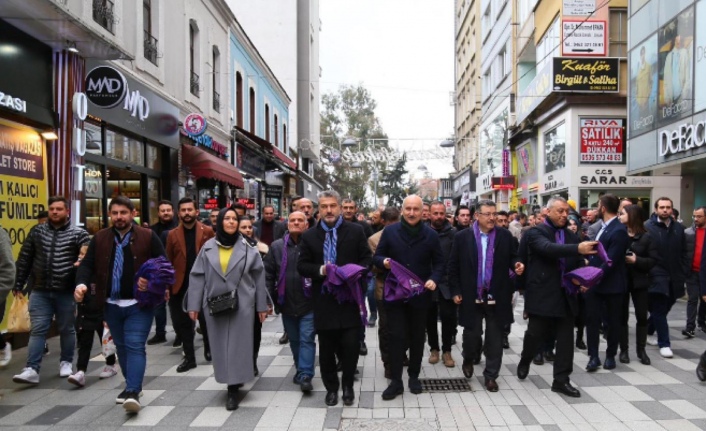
<point>484,245</point>
<point>604,226</point>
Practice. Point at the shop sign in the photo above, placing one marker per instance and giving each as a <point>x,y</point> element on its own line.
<point>195,124</point>
<point>578,7</point>
<point>602,141</point>
<point>13,103</point>
<point>583,38</point>
<point>586,74</point>
<point>249,203</point>
<point>211,204</point>
<point>503,183</point>
<point>273,192</point>
<point>554,181</point>
<point>206,141</point>
<point>611,177</point>
<point>535,93</point>
<point>249,162</point>
<point>106,87</point>
<point>685,138</point>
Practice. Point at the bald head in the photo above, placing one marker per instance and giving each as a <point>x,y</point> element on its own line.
<point>412,209</point>
<point>297,223</point>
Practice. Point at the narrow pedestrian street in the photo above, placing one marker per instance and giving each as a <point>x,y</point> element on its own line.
<point>666,395</point>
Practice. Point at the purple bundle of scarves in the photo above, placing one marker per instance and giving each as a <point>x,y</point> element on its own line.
<point>281,282</point>
<point>587,276</point>
<point>401,284</point>
<point>159,274</point>
<point>347,283</point>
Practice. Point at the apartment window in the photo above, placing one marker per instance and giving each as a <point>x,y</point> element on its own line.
<point>267,122</point>
<point>549,46</point>
<point>618,44</point>
<point>251,102</point>
<point>216,79</point>
<point>104,14</point>
<point>276,131</point>
<point>284,139</point>
<point>193,58</point>
<point>238,99</point>
<point>487,84</point>
<point>149,42</point>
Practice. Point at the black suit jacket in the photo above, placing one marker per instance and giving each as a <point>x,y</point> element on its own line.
<point>352,247</point>
<point>463,274</point>
<point>616,241</point>
<point>544,293</point>
<point>278,230</point>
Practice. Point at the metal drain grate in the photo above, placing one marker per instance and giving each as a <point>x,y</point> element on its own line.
<point>446,385</point>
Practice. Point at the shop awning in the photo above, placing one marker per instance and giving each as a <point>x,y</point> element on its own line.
<point>204,165</point>
<point>281,156</point>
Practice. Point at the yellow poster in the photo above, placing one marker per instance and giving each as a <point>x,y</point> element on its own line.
<point>23,184</point>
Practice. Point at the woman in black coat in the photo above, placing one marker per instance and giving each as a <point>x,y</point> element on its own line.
<point>640,257</point>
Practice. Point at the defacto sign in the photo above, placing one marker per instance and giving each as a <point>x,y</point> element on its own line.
<point>686,137</point>
<point>106,87</point>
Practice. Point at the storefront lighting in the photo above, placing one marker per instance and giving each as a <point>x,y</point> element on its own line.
<point>8,49</point>
<point>50,136</point>
<point>71,47</point>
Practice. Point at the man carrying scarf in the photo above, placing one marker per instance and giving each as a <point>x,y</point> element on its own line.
<point>549,250</point>
<point>334,241</point>
<point>292,296</point>
<point>480,263</point>
<point>416,246</point>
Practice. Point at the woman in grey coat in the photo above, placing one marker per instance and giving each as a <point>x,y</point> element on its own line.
<point>226,263</point>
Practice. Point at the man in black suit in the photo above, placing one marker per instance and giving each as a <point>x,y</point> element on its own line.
<point>549,250</point>
<point>337,324</point>
<point>267,228</point>
<point>479,277</point>
<point>608,294</point>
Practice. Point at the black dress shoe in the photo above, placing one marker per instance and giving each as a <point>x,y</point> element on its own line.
<point>415,386</point>
<point>476,360</point>
<point>348,396</point>
<point>580,344</point>
<point>185,366</point>
<point>566,389</point>
<point>538,359</point>
<point>506,342</point>
<point>624,357</point>
<point>331,398</point>
<point>394,389</point>
<point>609,363</point>
<point>363,349</point>
<point>491,385</point>
<point>642,355</point>
<point>232,400</point>
<point>157,339</point>
<point>701,369</point>
<point>207,354</point>
<point>523,369</point>
<point>405,361</point>
<point>593,364</point>
<point>284,339</point>
<point>549,356</point>
<point>467,369</point>
<point>255,370</point>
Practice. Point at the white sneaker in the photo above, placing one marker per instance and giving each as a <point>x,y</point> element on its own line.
<point>5,355</point>
<point>666,352</point>
<point>65,369</point>
<point>108,371</point>
<point>652,341</point>
<point>28,375</point>
<point>78,379</point>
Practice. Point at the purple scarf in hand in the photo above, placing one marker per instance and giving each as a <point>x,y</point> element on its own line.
<point>485,269</point>
<point>306,282</point>
<point>347,283</point>
<point>401,284</point>
<point>588,276</point>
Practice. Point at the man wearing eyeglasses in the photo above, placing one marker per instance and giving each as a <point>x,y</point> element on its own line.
<point>479,277</point>
<point>694,246</point>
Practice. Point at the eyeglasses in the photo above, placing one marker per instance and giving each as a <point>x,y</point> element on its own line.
<point>488,214</point>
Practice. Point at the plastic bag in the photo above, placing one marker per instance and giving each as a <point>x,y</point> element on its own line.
<point>107,343</point>
<point>18,317</point>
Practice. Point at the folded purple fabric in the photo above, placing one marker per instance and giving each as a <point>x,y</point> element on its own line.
<point>588,276</point>
<point>401,284</point>
<point>159,273</point>
<point>347,283</point>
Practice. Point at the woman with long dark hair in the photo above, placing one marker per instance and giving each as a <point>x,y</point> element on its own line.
<point>640,257</point>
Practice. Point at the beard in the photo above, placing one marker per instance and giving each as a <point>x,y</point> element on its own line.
<point>188,219</point>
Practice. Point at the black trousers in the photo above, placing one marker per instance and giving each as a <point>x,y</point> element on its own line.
<point>580,320</point>
<point>184,326</point>
<point>493,345</point>
<point>84,340</point>
<point>639,300</point>
<point>613,306</point>
<point>449,320</point>
<point>535,336</point>
<point>407,329</point>
<point>383,333</point>
<point>347,342</point>
<point>257,337</point>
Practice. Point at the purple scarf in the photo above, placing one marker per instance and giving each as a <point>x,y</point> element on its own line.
<point>485,269</point>
<point>159,274</point>
<point>401,284</point>
<point>346,283</point>
<point>306,282</point>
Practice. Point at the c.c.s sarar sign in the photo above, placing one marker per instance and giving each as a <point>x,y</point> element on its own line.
<point>594,75</point>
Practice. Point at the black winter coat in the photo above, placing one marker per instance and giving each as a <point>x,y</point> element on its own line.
<point>295,302</point>
<point>446,239</point>
<point>669,275</point>
<point>646,257</point>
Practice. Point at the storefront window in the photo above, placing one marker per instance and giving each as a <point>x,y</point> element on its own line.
<point>121,147</point>
<point>93,139</point>
<point>126,183</point>
<point>555,149</point>
<point>93,187</point>
<point>154,157</point>
<point>589,197</point>
<point>152,200</point>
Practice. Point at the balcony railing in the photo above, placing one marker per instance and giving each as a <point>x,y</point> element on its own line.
<point>194,84</point>
<point>150,48</point>
<point>216,101</point>
<point>104,14</point>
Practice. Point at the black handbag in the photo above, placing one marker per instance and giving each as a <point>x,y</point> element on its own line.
<point>226,302</point>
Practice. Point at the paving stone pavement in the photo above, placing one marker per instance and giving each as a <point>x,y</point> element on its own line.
<point>666,395</point>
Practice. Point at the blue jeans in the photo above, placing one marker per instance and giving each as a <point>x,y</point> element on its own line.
<point>371,296</point>
<point>160,319</point>
<point>130,327</point>
<point>659,306</point>
<point>301,340</point>
<point>43,305</point>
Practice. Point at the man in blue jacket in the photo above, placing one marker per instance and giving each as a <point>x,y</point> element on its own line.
<point>608,294</point>
<point>416,246</point>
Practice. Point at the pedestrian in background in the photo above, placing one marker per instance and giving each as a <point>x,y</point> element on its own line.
<point>7,283</point>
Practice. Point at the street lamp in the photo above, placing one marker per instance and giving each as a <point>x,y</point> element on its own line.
<point>349,142</point>
<point>447,143</point>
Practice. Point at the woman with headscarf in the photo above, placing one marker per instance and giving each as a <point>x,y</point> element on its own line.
<point>227,283</point>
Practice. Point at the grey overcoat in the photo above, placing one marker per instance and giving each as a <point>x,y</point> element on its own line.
<point>230,335</point>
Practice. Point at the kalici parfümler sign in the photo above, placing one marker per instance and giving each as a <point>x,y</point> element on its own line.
<point>369,154</point>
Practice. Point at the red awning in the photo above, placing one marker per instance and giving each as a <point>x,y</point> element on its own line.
<point>287,161</point>
<point>204,165</point>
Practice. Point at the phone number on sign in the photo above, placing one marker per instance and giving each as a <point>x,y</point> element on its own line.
<point>601,157</point>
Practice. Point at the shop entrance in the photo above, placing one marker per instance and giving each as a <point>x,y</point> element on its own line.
<point>589,197</point>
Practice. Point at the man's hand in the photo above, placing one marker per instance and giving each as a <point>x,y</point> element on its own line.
<point>631,259</point>
<point>430,285</point>
<point>142,284</point>
<point>457,299</point>
<point>194,315</point>
<point>583,289</point>
<point>386,263</point>
<point>323,270</point>
<point>166,295</point>
<point>79,292</point>
<point>262,315</point>
<point>519,268</point>
<point>588,247</point>
<point>16,293</point>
